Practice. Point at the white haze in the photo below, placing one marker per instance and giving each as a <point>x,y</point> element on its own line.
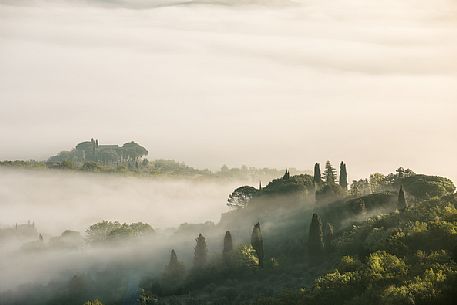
<point>57,201</point>
<point>282,84</point>
<point>134,259</point>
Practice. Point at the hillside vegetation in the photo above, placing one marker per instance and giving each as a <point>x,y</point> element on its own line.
<point>299,240</point>
<point>394,242</point>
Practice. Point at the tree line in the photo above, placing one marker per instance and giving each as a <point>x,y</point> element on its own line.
<point>320,242</point>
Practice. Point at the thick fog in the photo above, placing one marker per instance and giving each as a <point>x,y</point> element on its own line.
<point>58,201</point>
<point>278,83</point>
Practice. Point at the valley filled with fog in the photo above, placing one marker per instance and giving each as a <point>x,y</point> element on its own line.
<point>58,201</point>
<point>273,84</point>
<point>55,201</point>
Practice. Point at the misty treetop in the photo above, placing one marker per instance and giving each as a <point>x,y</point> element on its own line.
<point>257,243</point>
<point>109,231</point>
<point>174,272</point>
<point>316,237</point>
<point>92,151</point>
<point>228,245</point>
<point>328,237</point>
<point>301,187</point>
<point>289,184</point>
<point>241,196</point>
<point>402,205</point>
<point>415,185</point>
<point>200,252</point>
<point>360,188</point>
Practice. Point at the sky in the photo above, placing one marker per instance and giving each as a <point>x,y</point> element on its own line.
<point>271,84</point>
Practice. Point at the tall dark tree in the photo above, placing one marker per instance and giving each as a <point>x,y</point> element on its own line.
<point>317,173</point>
<point>402,205</point>
<point>328,237</point>
<point>174,271</point>
<point>316,237</point>
<point>173,259</point>
<point>329,173</point>
<point>200,252</point>
<point>257,243</point>
<point>343,176</point>
<point>228,245</point>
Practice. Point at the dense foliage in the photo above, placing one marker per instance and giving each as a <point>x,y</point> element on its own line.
<point>108,231</point>
<point>400,258</point>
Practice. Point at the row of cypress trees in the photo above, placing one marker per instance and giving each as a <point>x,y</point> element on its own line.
<point>330,179</point>
<point>319,241</point>
<point>330,174</point>
<point>175,269</point>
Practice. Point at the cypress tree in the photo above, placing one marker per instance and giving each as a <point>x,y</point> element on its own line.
<point>286,175</point>
<point>317,173</point>
<point>173,258</point>
<point>257,243</point>
<point>328,236</point>
<point>200,252</point>
<point>228,245</point>
<point>316,238</point>
<point>402,205</point>
<point>174,271</point>
<point>343,176</point>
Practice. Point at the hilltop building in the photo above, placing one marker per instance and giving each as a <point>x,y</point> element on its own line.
<point>24,230</point>
<point>92,151</point>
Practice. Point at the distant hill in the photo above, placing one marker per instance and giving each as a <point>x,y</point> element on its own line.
<point>107,154</point>
<point>130,159</point>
